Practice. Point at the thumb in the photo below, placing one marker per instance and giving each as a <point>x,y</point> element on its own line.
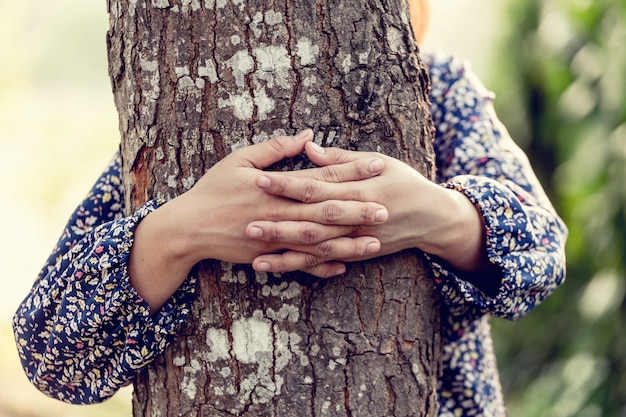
<point>276,149</point>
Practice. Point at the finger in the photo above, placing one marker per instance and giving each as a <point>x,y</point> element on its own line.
<point>264,154</point>
<point>331,156</point>
<point>307,257</point>
<point>295,232</point>
<point>331,212</point>
<point>326,269</point>
<point>362,168</point>
<point>309,190</point>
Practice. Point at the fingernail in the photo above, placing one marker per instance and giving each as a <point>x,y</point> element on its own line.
<point>376,165</point>
<point>263,266</point>
<point>255,232</point>
<point>317,148</point>
<point>302,135</point>
<point>263,182</point>
<point>373,247</point>
<point>382,215</point>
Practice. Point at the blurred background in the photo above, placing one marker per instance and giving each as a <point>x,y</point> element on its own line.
<point>558,68</point>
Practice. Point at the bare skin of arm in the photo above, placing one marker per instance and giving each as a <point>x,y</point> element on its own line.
<point>422,214</point>
<point>210,220</point>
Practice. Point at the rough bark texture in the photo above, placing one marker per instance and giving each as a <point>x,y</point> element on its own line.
<point>194,80</point>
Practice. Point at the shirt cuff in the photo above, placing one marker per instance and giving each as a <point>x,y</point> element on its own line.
<point>506,229</point>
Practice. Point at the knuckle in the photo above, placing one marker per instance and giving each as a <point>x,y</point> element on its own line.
<point>309,234</point>
<point>338,155</point>
<point>282,266</point>
<point>359,250</point>
<point>360,170</point>
<point>325,249</point>
<point>368,213</point>
<point>320,271</point>
<point>331,212</point>
<point>275,213</point>
<point>310,192</point>
<point>355,194</point>
<point>330,174</point>
<point>274,235</point>
<point>310,261</point>
<point>277,143</point>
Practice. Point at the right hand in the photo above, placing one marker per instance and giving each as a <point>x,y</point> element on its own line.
<point>217,210</point>
<point>209,221</point>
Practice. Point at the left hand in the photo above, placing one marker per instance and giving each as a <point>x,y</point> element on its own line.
<point>422,214</point>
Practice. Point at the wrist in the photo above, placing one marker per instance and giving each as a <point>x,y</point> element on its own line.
<point>459,237</point>
<point>161,255</point>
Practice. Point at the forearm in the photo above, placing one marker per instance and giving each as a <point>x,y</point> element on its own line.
<point>459,236</point>
<point>83,305</point>
<point>160,257</point>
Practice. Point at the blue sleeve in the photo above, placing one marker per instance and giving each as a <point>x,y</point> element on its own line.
<point>83,332</point>
<point>525,237</point>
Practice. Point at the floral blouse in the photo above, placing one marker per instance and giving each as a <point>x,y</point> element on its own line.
<point>83,332</point>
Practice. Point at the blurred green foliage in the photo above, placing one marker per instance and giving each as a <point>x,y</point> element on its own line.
<point>560,77</point>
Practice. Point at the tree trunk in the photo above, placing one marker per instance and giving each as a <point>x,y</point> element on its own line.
<point>194,80</point>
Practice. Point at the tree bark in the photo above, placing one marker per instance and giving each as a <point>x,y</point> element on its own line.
<point>194,80</point>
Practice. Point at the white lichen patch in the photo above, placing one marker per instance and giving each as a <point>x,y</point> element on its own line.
<point>264,103</point>
<point>242,105</point>
<point>286,312</point>
<point>273,18</point>
<point>235,40</point>
<point>194,4</point>
<point>179,361</point>
<point>346,64</point>
<point>287,346</point>
<point>151,74</point>
<point>161,4</point>
<point>186,85</point>
<point>181,71</point>
<point>240,3</point>
<point>306,51</point>
<point>217,342</point>
<point>241,64</point>
<point>309,81</point>
<point>229,276</point>
<point>336,351</point>
<point>189,384</point>
<point>252,338</point>
<point>311,99</point>
<point>274,65</point>
<point>261,278</point>
<point>254,24</point>
<point>188,182</point>
<point>132,6</point>
<point>209,4</point>
<point>404,17</point>
<point>285,290</point>
<point>209,71</point>
<point>394,40</point>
